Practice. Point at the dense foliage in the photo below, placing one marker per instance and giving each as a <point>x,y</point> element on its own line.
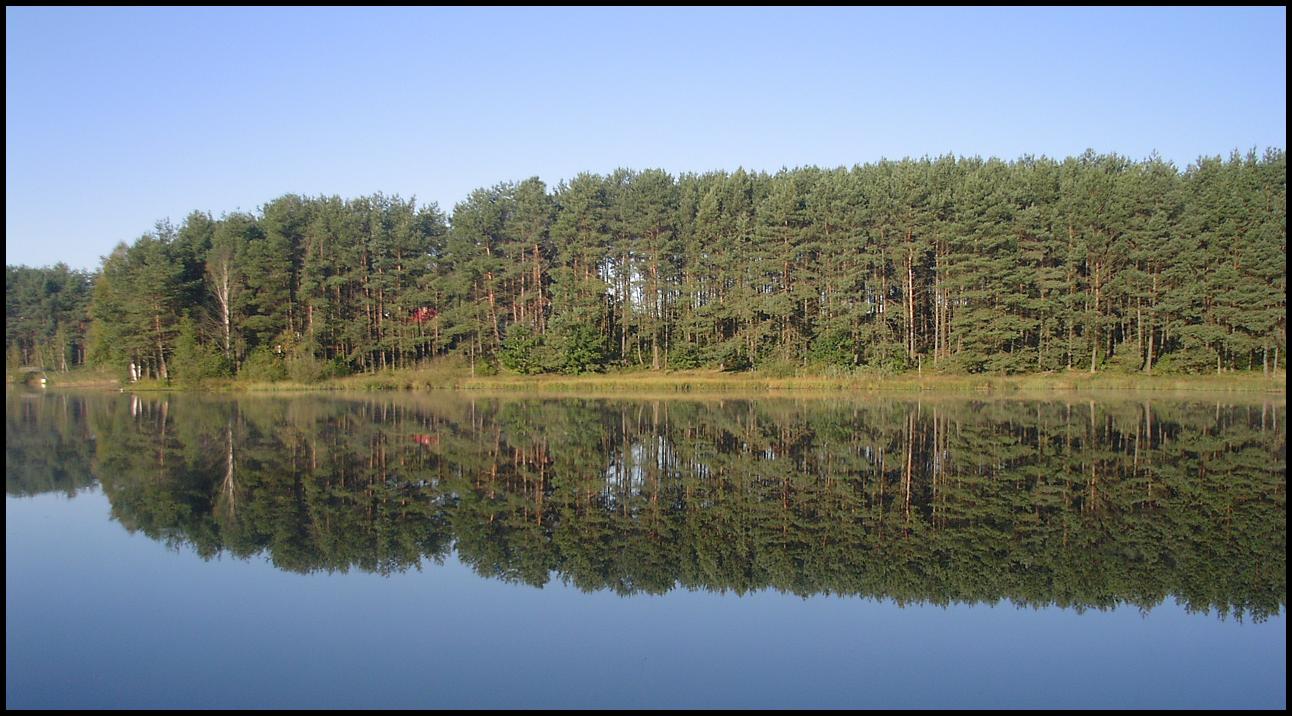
<point>46,316</point>
<point>952,264</point>
<point>1077,504</point>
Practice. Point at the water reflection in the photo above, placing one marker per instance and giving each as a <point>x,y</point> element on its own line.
<point>1076,504</point>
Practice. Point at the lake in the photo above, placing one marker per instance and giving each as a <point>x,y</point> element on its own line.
<point>454,550</point>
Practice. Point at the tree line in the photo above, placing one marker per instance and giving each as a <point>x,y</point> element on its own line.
<point>1074,504</point>
<point>951,264</point>
<point>47,316</point>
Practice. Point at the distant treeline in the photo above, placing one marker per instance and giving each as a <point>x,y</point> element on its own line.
<point>951,264</point>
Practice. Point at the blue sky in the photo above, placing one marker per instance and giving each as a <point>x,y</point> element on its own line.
<point>116,118</point>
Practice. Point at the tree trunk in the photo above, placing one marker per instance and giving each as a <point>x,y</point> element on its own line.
<point>937,305</point>
<point>493,311</point>
<point>538,289</point>
<point>161,355</point>
<point>655,316</point>
<point>229,487</point>
<point>1094,328</point>
<point>223,297</point>
<point>910,296</point>
<point>1148,366</point>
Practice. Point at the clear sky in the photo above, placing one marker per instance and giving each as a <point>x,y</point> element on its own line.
<point>118,117</point>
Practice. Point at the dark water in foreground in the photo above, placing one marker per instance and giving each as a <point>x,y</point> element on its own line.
<point>440,551</point>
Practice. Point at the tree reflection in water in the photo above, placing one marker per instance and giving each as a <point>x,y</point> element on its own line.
<point>1076,504</point>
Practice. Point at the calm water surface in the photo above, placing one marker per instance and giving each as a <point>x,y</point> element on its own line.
<point>439,550</point>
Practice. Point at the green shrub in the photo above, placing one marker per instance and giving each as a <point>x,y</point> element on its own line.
<point>335,368</point>
<point>733,358</point>
<point>888,357</point>
<point>834,348</point>
<point>686,357</point>
<point>486,366</point>
<point>1125,359</point>
<point>778,368</point>
<point>521,351</point>
<point>263,365</point>
<point>193,361</point>
<point>305,368</point>
<point>1186,360</point>
<point>582,349</point>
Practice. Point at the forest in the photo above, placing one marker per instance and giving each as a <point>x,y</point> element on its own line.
<point>1078,504</point>
<point>958,265</point>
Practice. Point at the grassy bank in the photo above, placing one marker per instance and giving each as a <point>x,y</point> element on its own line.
<point>86,378</point>
<point>717,382</point>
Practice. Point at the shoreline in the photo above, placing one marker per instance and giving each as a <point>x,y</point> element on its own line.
<point>712,382</point>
